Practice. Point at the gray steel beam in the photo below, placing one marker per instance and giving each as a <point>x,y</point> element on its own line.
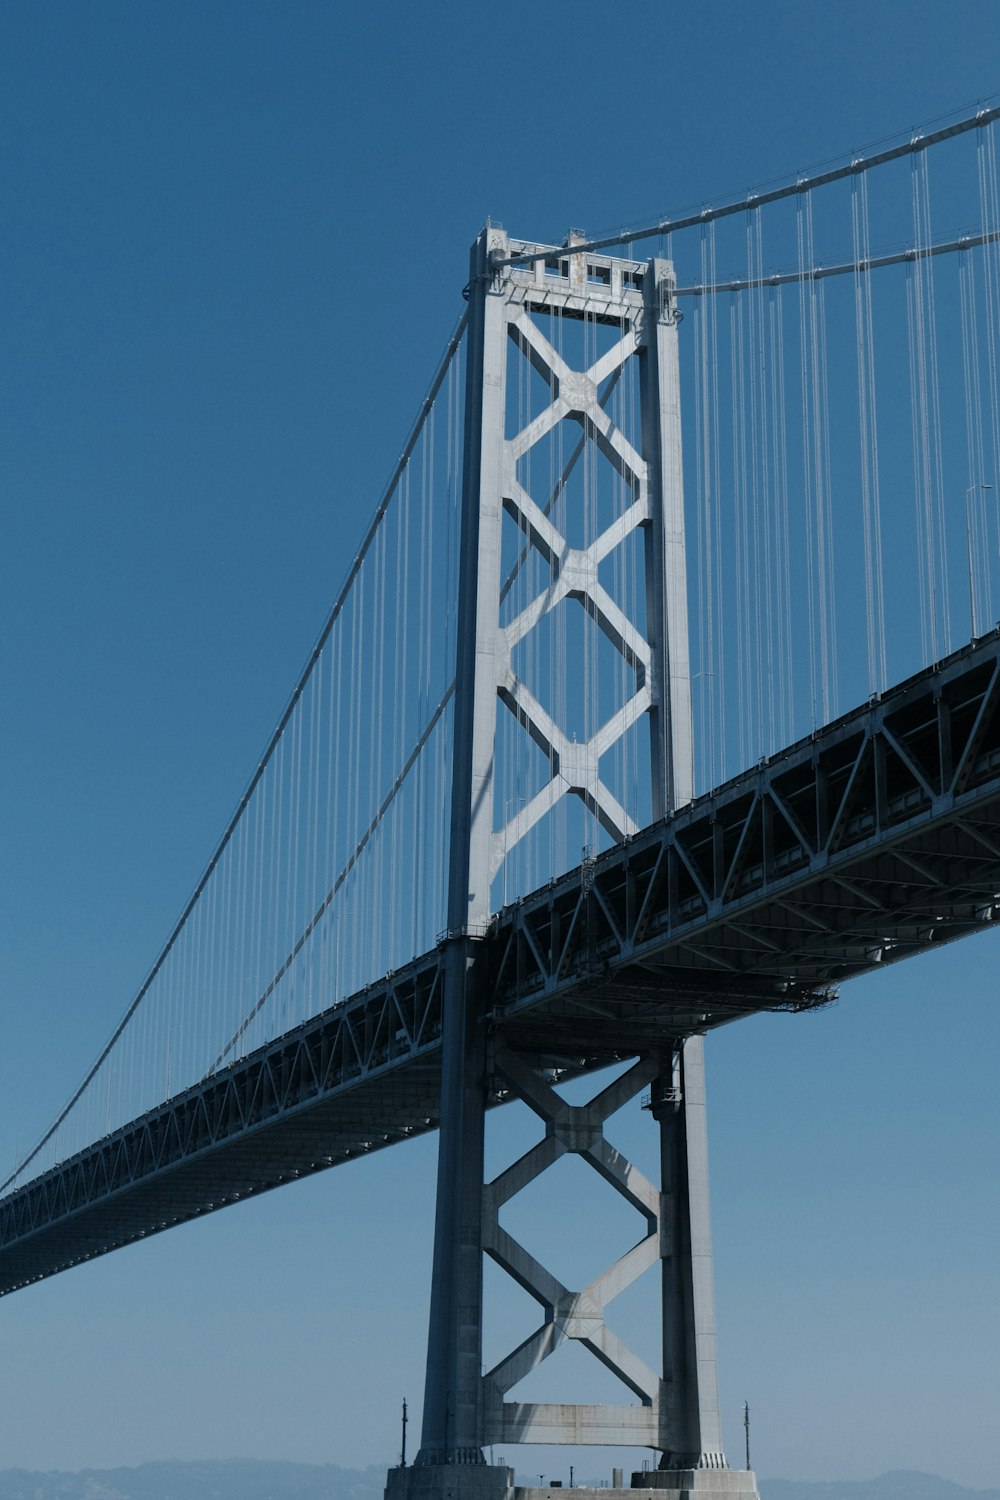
<point>452,1394</point>
<point>692,1423</point>
<point>666,557</point>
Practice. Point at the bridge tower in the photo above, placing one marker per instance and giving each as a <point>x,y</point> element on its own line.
<point>676,1409</point>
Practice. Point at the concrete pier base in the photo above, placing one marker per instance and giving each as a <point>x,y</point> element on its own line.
<point>450,1482</point>
<point>696,1484</point>
<point>563,1492</point>
<point>492,1482</point>
<point>672,1484</point>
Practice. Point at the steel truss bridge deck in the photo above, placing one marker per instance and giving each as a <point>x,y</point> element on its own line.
<point>874,839</point>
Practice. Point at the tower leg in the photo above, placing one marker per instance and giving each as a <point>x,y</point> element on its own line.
<point>452,1422</point>
<point>695,1463</point>
<point>689,1360</point>
<point>450,1461</point>
<point>450,1464</point>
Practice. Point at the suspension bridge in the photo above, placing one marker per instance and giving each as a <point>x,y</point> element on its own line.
<point>598,749</point>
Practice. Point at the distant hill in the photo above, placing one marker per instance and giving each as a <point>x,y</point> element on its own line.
<point>234,1479</point>
<point>248,1480</point>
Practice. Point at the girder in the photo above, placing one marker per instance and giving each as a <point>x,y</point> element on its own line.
<point>875,839</point>
<point>872,839</point>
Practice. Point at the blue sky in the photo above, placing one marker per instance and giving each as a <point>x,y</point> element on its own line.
<point>233,244</point>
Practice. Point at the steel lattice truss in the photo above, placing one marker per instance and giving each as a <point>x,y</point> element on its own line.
<point>567,1314</point>
<point>250,1127</point>
<point>867,842</point>
<point>574,767</point>
<point>875,839</point>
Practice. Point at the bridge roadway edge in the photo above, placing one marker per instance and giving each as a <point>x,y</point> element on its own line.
<point>874,839</point>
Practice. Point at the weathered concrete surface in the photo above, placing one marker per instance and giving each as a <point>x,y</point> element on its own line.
<point>492,1482</point>
<point>672,1484</point>
<point>450,1482</point>
<point>697,1484</point>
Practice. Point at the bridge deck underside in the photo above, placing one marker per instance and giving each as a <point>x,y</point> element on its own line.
<point>874,840</point>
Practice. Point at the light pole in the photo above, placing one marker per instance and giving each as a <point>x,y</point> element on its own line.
<point>968,537</point>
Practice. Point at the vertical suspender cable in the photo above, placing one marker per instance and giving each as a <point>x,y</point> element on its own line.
<point>868,430</point>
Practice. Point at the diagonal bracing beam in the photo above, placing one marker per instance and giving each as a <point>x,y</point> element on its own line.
<point>568,1314</point>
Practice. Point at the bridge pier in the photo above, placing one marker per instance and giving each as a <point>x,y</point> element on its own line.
<point>495,1482</point>
<point>674,1411</point>
<point>481,1481</point>
<point>696,1484</point>
<point>677,1411</point>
